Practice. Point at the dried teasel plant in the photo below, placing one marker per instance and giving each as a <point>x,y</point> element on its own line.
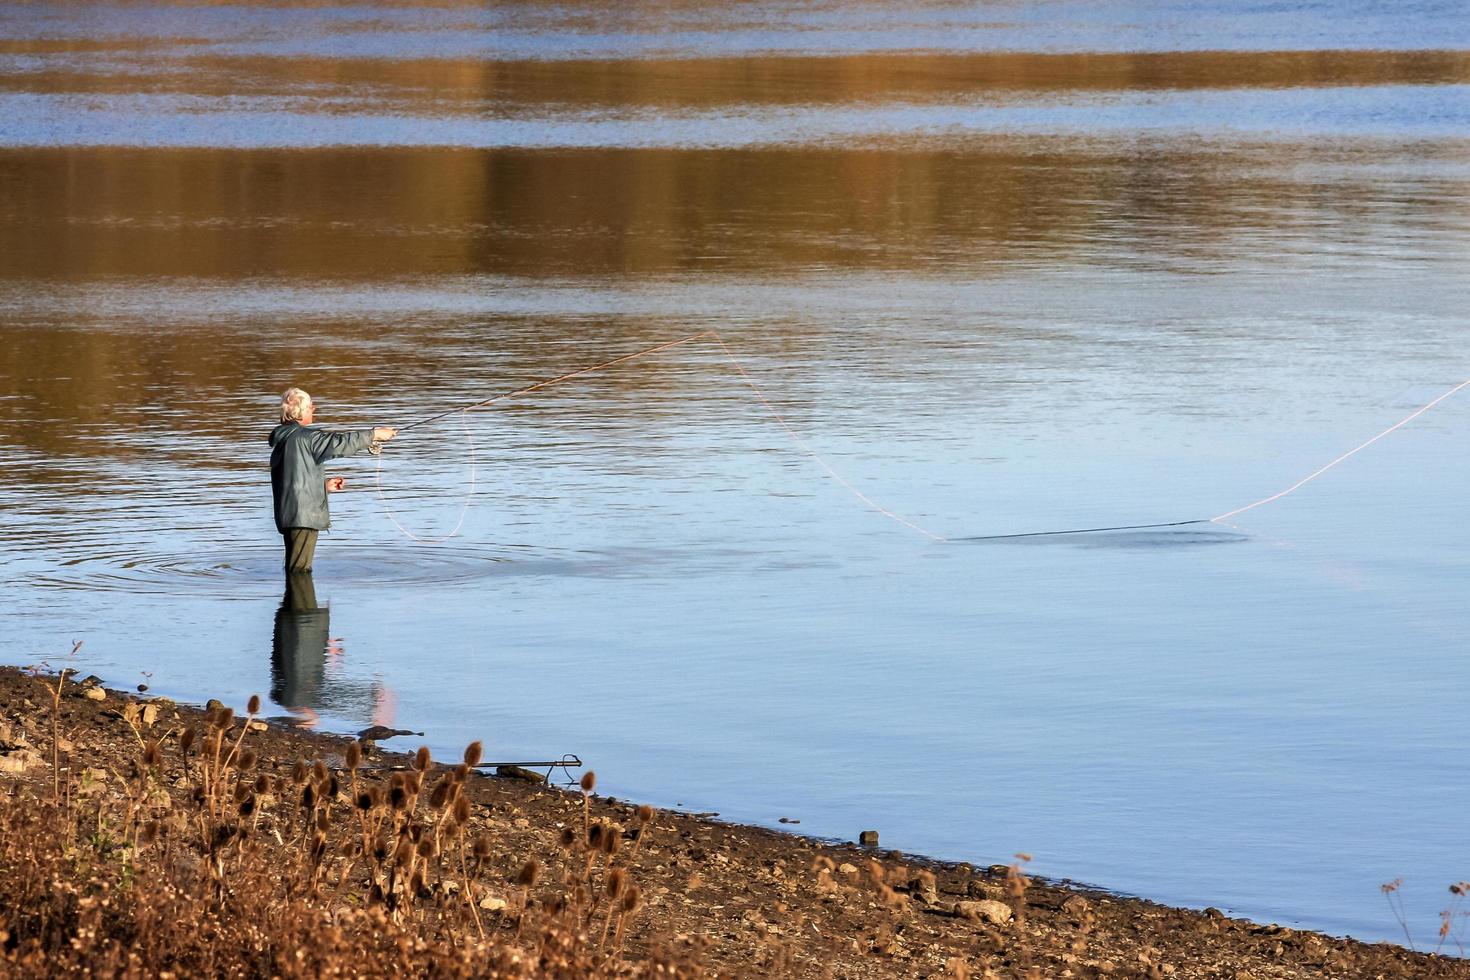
<point>588,784</point>
<point>1016,884</point>
<point>439,796</point>
<point>530,871</point>
<point>632,900</point>
<point>614,885</point>
<point>327,849</point>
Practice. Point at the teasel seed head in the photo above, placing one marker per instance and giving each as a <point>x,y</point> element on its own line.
<point>248,758</point>
<point>253,707</point>
<point>319,771</point>
<point>421,760</point>
<point>482,848</point>
<point>439,798</point>
<point>632,898</point>
<point>568,838</point>
<point>354,755</point>
<point>224,718</point>
<point>616,879</point>
<point>322,820</point>
<point>398,780</point>
<point>530,871</point>
<point>152,755</point>
<point>247,805</point>
<point>186,740</point>
<point>589,781</point>
<point>262,783</point>
<point>472,754</point>
<point>645,813</point>
<point>308,797</point>
<point>462,810</point>
<point>398,797</point>
<point>365,800</point>
<point>427,848</point>
<point>611,841</point>
<point>413,781</point>
<point>403,853</point>
<point>298,772</point>
<point>594,836</point>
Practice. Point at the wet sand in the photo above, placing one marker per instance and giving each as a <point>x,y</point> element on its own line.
<point>719,899</point>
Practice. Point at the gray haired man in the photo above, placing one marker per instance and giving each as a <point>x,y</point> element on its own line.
<point>298,484</point>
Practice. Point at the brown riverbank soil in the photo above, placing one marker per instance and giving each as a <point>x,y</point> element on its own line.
<point>260,851</point>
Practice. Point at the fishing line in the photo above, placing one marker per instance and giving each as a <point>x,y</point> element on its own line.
<point>820,460</point>
<point>1083,530</point>
<point>831,471</point>
<point>469,492</point>
<point>557,380</point>
<point>1351,452</point>
<point>739,367</point>
<point>1264,500</point>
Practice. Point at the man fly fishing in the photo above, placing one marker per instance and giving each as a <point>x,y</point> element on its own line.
<point>298,484</point>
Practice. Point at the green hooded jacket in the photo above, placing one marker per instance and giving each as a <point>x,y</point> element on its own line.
<point>297,481</point>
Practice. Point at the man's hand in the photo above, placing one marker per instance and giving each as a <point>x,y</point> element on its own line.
<point>335,483</point>
<point>383,433</point>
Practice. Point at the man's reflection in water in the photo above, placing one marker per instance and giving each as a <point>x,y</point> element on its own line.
<point>301,650</point>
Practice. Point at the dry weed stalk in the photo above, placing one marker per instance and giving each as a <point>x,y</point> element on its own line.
<point>299,870</point>
<point>56,732</point>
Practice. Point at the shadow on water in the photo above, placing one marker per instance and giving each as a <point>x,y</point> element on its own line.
<point>1201,533</point>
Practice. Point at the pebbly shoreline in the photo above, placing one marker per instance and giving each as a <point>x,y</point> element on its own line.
<point>707,898</point>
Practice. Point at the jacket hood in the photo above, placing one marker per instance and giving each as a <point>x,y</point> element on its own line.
<point>279,432</point>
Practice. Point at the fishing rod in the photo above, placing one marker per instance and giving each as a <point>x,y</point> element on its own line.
<point>464,410</point>
<point>558,380</point>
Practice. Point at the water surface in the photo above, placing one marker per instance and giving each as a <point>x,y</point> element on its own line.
<point>1008,268</point>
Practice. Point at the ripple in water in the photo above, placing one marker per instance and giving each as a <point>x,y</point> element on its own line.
<point>250,571</point>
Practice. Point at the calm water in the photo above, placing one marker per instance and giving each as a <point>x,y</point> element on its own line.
<point>1009,267</point>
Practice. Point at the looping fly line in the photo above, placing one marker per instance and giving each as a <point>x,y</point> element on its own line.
<point>464,508</point>
<point>827,467</point>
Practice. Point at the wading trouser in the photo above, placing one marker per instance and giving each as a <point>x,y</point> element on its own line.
<point>300,548</point>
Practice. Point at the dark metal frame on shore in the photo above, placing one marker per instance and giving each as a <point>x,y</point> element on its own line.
<point>566,763</point>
